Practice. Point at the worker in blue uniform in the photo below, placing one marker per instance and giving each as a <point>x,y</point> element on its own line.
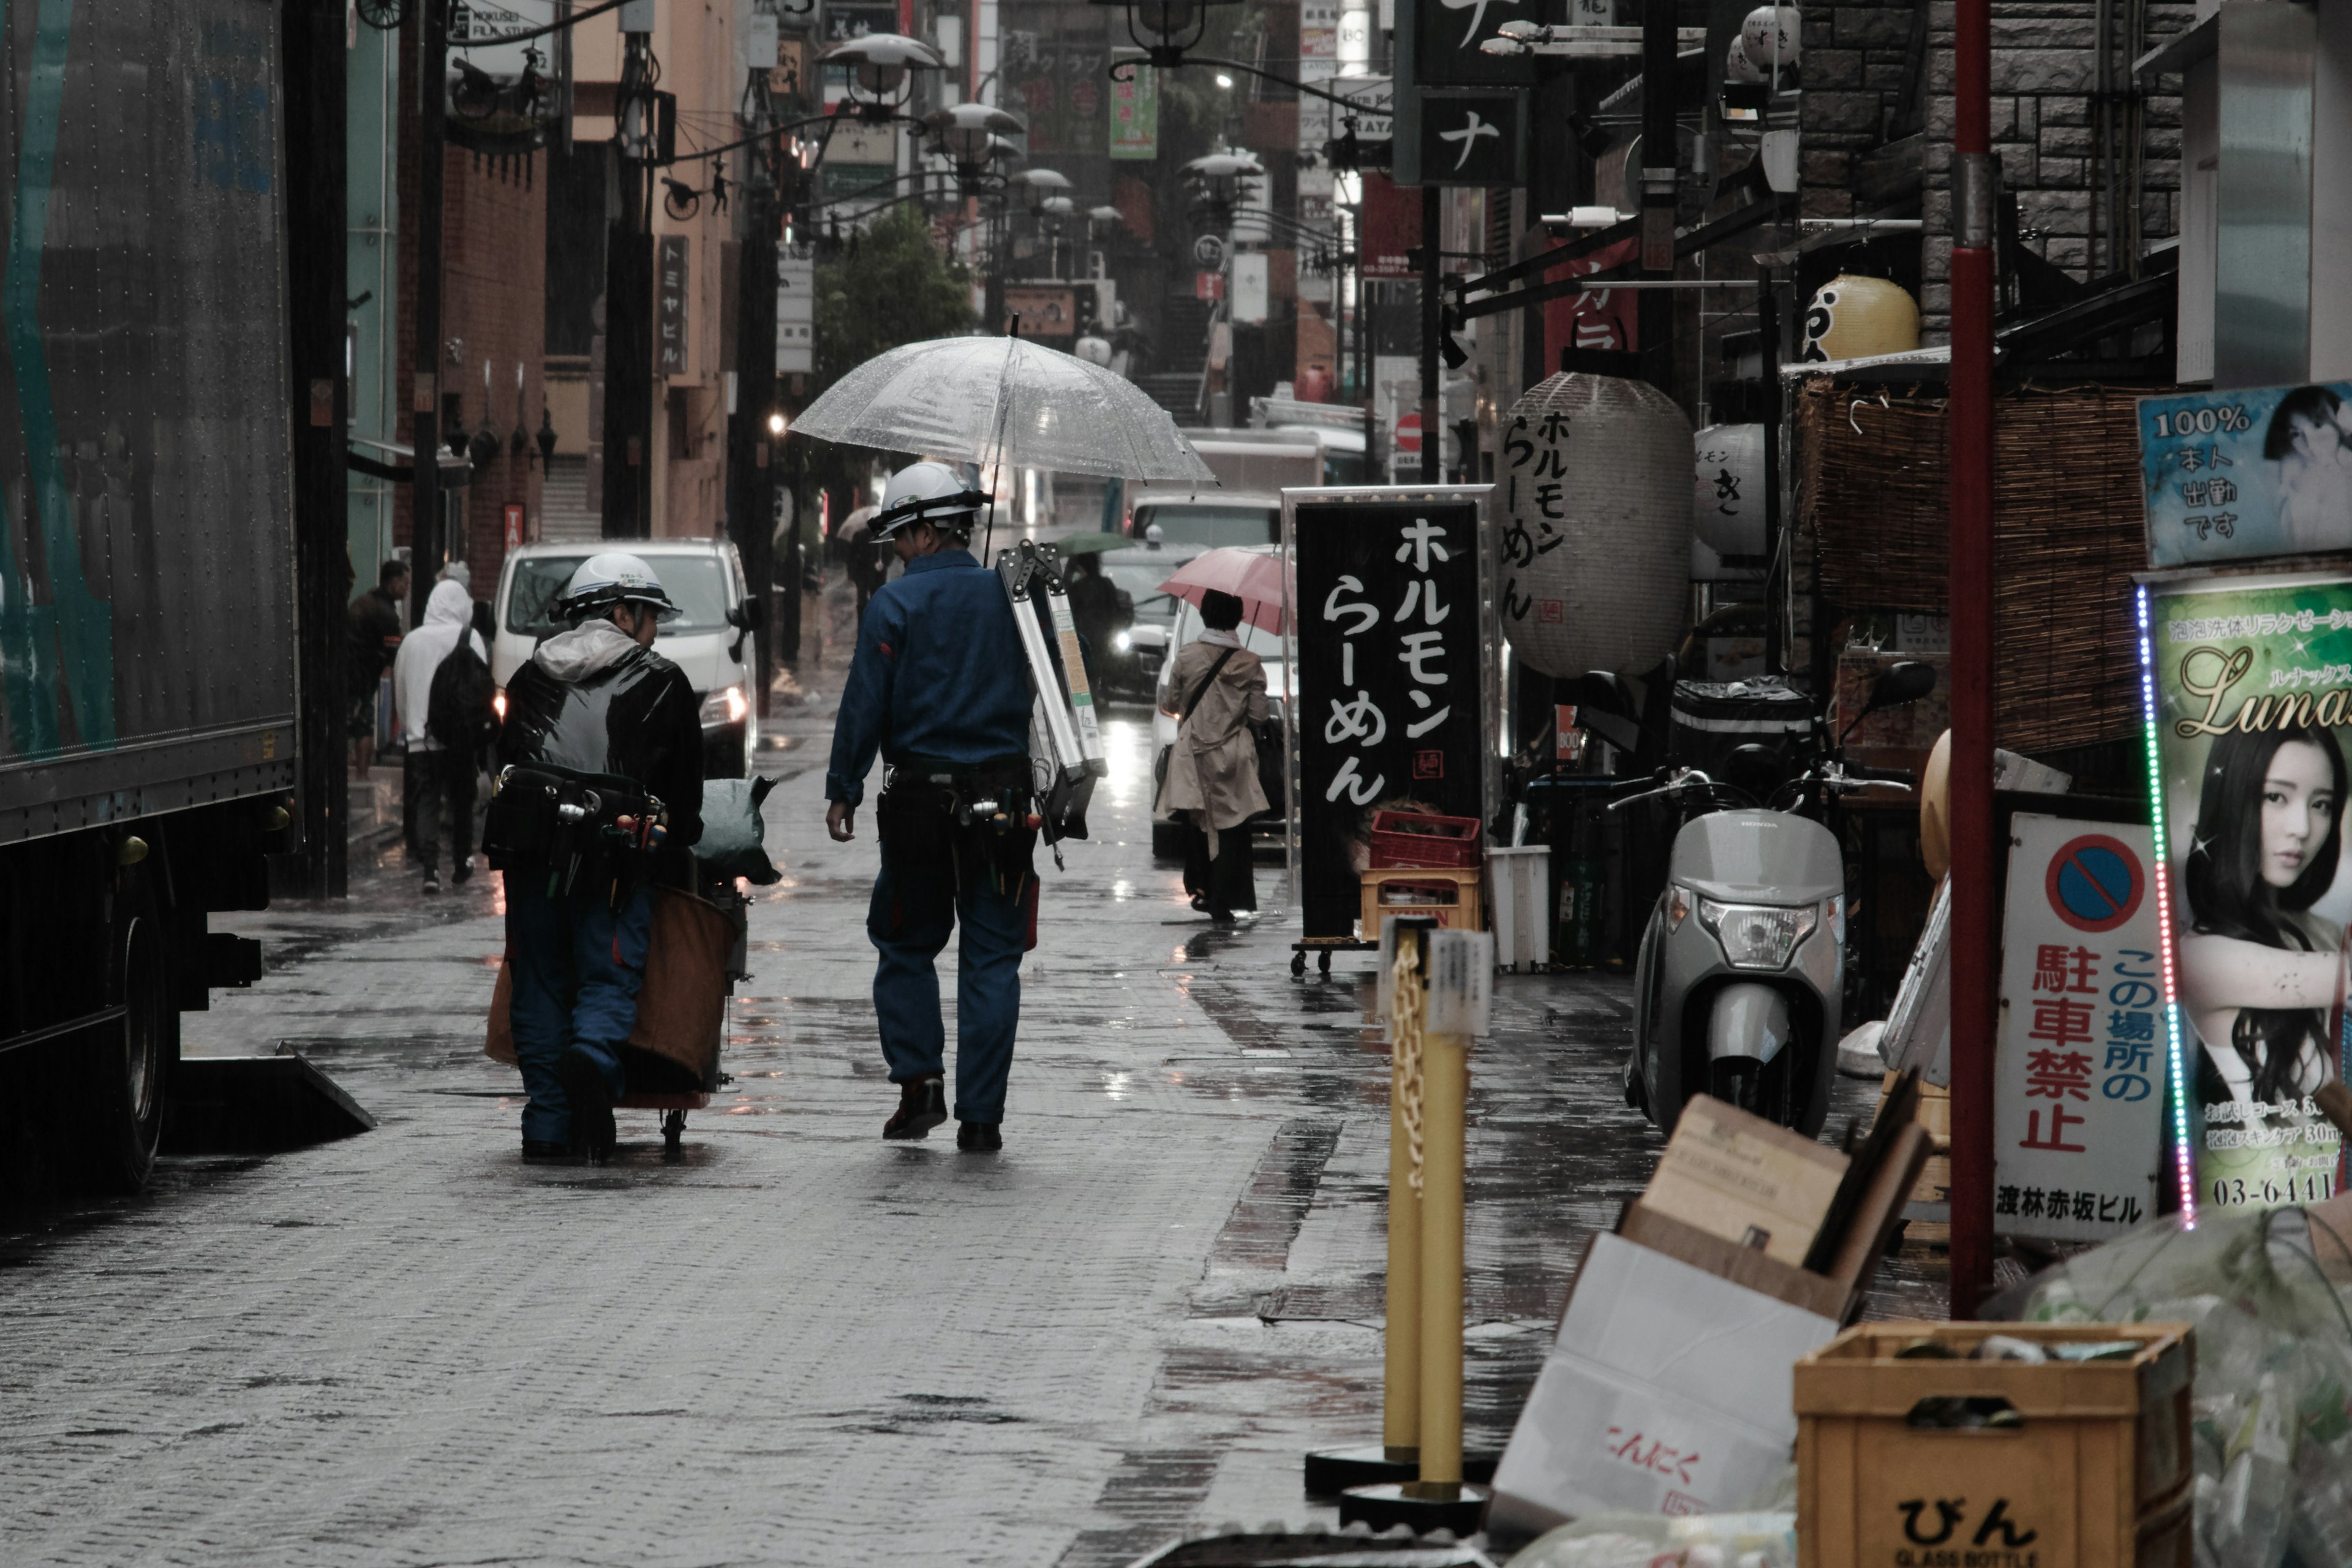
<point>939,687</point>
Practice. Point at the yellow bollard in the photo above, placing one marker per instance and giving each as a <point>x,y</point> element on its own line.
<point>1400,1396</point>
<point>1446,1085</point>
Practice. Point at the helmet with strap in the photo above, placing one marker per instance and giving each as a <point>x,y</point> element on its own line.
<point>928,493</point>
<point>613,577</point>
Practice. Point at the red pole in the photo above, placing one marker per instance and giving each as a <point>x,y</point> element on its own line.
<point>1975,944</point>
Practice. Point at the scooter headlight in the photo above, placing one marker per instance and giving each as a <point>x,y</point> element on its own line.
<point>1757,936</point>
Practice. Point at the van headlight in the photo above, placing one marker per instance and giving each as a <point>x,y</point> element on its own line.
<point>725,707</point>
<point>1758,936</point>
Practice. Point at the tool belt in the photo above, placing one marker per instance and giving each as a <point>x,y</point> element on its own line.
<point>930,811</point>
<point>584,829</point>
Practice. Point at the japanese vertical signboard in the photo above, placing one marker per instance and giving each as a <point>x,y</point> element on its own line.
<point>670,277</point>
<point>1447,36</point>
<point>1135,114</point>
<point>2257,471</point>
<point>2078,1120</point>
<point>1471,138</point>
<point>795,315</point>
<point>2250,686</point>
<point>1390,645</point>
<point>1391,229</point>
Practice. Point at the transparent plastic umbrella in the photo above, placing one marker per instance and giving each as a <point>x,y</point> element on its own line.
<point>1004,401</point>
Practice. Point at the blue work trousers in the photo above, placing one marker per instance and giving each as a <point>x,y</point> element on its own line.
<point>916,901</point>
<point>576,966</point>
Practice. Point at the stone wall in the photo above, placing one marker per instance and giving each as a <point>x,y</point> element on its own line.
<point>2045,76</point>
<point>1876,71</point>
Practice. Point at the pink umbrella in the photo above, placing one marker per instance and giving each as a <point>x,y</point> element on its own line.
<point>1254,577</point>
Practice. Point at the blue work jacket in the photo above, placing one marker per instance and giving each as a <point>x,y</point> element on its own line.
<point>939,673</point>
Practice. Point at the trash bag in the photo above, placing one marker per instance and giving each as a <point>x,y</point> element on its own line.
<point>2272,1405</point>
<point>1614,1540</point>
<point>733,834</point>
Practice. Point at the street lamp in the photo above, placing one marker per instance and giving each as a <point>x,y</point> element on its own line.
<point>1164,29</point>
<point>1221,182</point>
<point>881,71</point>
<point>1046,187</point>
<point>967,135</point>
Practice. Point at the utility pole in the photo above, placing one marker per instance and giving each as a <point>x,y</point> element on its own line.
<point>1976,938</point>
<point>629,293</point>
<point>752,457</point>
<point>1433,322</point>
<point>314,98</point>
<point>1656,307</point>
<point>424,532</point>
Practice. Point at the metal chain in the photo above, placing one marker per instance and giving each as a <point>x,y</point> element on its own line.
<point>1405,1012</point>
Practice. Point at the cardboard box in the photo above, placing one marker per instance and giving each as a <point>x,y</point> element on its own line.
<point>1746,1180</point>
<point>2096,1475</point>
<point>1667,1391</point>
<point>1645,1226</point>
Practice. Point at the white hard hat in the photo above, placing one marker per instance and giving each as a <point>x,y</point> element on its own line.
<point>928,493</point>
<point>610,578</point>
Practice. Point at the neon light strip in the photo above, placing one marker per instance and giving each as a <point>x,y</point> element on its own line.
<point>2183,1159</point>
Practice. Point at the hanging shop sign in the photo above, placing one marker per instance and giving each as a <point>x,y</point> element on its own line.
<point>2249,683</point>
<point>1446,36</point>
<point>2231,476</point>
<point>795,315</point>
<point>1593,545</point>
<point>2079,1075</point>
<point>502,96</point>
<point>670,280</point>
<point>1727,543</point>
<point>1390,229</point>
<point>1135,114</point>
<point>1472,138</point>
<point>1394,649</point>
<point>844,21</point>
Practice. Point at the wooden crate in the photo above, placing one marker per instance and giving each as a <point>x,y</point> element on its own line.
<point>2096,1475</point>
<point>1460,911</point>
<point>1934,1184</point>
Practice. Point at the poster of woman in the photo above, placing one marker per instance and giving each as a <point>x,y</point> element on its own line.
<point>2247,473</point>
<point>2252,683</point>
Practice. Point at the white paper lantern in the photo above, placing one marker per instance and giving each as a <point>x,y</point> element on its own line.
<point>1737,66</point>
<point>1727,539</point>
<point>1769,36</point>
<point>1593,487</point>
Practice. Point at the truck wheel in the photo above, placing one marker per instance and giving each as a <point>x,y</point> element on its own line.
<point>127,1072</point>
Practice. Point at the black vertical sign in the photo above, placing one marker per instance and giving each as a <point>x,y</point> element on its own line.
<point>1446,38</point>
<point>1391,682</point>
<point>670,319</point>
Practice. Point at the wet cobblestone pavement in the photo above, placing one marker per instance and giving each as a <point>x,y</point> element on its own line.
<point>799,1344</point>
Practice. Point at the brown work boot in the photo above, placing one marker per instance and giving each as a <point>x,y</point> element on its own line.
<point>922,1105</point>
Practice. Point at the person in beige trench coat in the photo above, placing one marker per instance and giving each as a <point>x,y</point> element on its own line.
<point>1213,768</point>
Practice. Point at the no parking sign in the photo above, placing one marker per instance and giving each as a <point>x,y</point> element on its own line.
<point>2079,1076</point>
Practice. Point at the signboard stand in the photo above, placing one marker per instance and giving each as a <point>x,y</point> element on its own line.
<point>1392,645</point>
<point>2248,685</point>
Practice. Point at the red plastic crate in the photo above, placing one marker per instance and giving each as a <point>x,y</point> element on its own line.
<point>1403,838</point>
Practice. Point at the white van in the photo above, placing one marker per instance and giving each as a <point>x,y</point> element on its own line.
<point>713,639</point>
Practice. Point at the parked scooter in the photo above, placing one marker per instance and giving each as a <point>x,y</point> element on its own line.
<point>1740,980</point>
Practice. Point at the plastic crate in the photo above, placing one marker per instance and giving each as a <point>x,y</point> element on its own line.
<point>1412,838</point>
<point>1449,895</point>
